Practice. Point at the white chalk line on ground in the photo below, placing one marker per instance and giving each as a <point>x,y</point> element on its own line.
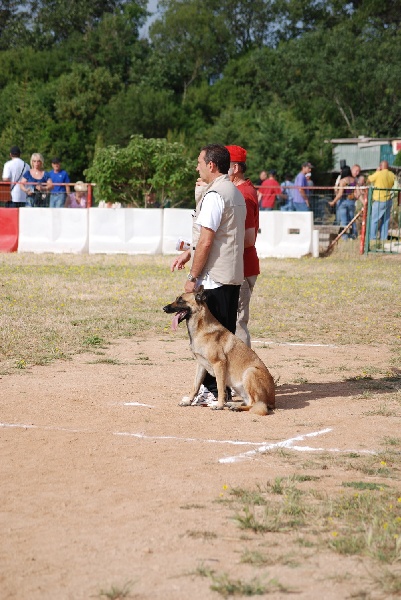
<point>137,404</point>
<point>289,444</point>
<point>130,434</point>
<point>262,447</point>
<point>293,344</point>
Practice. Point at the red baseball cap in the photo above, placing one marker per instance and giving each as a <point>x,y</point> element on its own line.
<point>237,154</point>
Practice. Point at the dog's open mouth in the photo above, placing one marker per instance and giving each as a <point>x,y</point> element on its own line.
<point>178,317</point>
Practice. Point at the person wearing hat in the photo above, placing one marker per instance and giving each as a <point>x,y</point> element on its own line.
<point>78,198</point>
<point>268,191</point>
<point>13,171</point>
<point>59,191</point>
<point>251,260</point>
<point>300,200</point>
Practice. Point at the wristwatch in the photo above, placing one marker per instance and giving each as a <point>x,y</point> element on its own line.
<point>191,278</point>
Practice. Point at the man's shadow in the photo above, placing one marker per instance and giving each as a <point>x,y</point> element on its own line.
<point>294,396</point>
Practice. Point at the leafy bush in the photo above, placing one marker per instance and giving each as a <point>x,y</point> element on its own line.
<point>145,165</point>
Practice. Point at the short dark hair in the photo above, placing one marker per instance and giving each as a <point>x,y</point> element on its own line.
<point>15,151</point>
<point>219,155</point>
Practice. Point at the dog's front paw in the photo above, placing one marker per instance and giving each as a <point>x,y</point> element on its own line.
<point>233,406</point>
<point>217,407</point>
<point>186,401</point>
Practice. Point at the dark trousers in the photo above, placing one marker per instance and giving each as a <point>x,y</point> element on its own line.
<point>11,204</point>
<point>223,304</point>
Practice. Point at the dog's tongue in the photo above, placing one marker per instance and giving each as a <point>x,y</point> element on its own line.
<point>174,323</point>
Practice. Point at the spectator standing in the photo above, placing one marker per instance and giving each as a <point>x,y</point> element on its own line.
<point>59,192</point>
<point>36,182</point>
<point>345,201</point>
<point>268,191</point>
<point>383,181</point>
<point>300,197</point>
<point>262,177</point>
<point>287,186</point>
<point>218,242</point>
<point>13,171</point>
<point>78,198</point>
<point>251,260</point>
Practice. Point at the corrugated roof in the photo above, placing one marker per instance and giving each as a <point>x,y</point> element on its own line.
<point>362,140</point>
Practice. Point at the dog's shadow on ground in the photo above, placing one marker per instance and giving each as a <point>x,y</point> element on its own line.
<point>295,396</point>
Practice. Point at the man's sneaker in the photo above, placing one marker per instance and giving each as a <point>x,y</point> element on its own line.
<point>204,398</point>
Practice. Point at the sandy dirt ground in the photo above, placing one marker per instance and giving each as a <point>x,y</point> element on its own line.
<point>106,482</point>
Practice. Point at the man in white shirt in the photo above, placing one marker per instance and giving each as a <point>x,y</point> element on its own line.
<point>13,170</point>
<point>217,241</point>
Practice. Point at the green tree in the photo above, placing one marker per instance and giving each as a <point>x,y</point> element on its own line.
<point>144,165</point>
<point>193,43</point>
<point>139,110</point>
<point>54,21</point>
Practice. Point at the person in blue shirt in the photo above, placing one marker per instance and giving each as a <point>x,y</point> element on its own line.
<point>59,192</point>
<point>299,196</point>
<point>287,186</point>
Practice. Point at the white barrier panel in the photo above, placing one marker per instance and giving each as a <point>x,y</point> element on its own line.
<point>284,234</point>
<point>177,224</point>
<point>125,230</point>
<point>54,230</point>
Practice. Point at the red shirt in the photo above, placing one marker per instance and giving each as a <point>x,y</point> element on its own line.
<point>251,261</point>
<point>269,189</point>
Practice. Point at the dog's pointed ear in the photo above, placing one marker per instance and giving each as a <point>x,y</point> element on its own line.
<point>200,295</point>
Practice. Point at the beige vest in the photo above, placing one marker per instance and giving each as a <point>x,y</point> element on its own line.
<point>225,262</point>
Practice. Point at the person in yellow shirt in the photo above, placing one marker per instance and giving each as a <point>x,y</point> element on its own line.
<point>383,181</point>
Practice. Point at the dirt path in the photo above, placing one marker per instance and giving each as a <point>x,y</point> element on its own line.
<point>105,480</point>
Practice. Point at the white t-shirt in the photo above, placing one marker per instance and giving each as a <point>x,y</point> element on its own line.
<point>14,170</point>
<point>210,216</point>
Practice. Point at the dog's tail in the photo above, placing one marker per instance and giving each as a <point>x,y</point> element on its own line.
<point>259,408</point>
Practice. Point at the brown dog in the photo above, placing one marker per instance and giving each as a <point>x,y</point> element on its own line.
<point>223,355</point>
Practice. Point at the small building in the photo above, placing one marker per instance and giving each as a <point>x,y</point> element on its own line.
<point>364,151</point>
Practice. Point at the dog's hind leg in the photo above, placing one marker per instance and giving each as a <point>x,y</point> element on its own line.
<point>199,377</point>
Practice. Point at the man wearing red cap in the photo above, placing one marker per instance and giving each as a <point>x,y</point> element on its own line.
<point>251,261</point>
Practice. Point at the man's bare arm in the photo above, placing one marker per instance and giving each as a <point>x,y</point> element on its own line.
<point>201,255</point>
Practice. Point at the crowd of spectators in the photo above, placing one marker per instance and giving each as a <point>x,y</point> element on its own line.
<point>32,186</point>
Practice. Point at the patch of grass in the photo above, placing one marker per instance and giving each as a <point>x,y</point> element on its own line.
<point>224,585</point>
<point>305,543</point>
<point>93,340</point>
<point>254,497</point>
<point>382,411</point>
<point>389,581</point>
<point>392,441</point>
<point>364,485</point>
<point>301,478</point>
<point>256,558</point>
<point>116,593</point>
<point>272,516</point>
<point>202,535</point>
<point>301,380</point>
<point>105,361</point>
<point>277,486</point>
